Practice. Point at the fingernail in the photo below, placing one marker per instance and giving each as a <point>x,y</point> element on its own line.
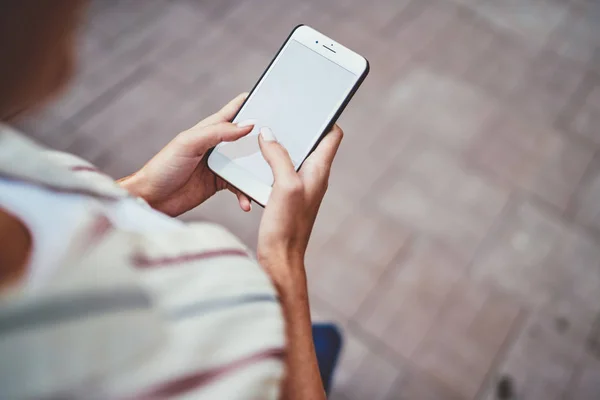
<point>248,122</point>
<point>267,134</point>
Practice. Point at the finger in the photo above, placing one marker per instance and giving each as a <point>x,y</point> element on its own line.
<point>317,167</point>
<point>244,201</point>
<point>226,113</point>
<point>197,141</point>
<point>276,156</point>
<point>325,152</point>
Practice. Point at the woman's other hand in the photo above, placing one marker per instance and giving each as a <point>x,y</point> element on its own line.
<point>178,179</point>
<point>292,208</point>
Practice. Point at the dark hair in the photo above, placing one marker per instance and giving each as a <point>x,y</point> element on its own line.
<point>36,48</point>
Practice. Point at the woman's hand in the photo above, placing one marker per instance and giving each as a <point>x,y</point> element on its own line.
<point>282,240</point>
<point>177,179</point>
<point>293,205</point>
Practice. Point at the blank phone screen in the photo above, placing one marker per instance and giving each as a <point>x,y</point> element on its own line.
<point>296,99</point>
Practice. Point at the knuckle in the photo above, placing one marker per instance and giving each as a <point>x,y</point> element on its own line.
<point>293,186</point>
<point>186,136</point>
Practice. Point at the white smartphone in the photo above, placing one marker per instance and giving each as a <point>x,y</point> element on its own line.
<point>299,97</point>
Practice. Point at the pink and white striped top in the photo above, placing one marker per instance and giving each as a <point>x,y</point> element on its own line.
<point>126,314</point>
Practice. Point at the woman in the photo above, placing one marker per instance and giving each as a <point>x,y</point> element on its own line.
<point>104,295</point>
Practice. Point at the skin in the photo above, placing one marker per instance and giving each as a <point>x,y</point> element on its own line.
<point>283,236</point>
<point>177,179</point>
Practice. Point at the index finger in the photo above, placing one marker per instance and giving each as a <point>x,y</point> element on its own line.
<point>278,158</point>
<point>226,113</point>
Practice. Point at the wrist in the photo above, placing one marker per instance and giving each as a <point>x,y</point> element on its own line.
<point>135,184</point>
<point>288,274</point>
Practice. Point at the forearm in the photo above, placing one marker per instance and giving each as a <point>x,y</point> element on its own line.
<point>303,380</point>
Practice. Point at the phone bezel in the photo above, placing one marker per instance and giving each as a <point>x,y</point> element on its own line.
<point>243,179</point>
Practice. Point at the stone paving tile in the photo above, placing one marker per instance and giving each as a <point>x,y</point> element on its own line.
<point>352,279</point>
<point>234,78</point>
<point>418,385</point>
<point>584,206</point>
<point>470,330</point>
<point>532,156</point>
<point>373,379</point>
<point>405,305</point>
<point>371,238</point>
<point>586,382</point>
<point>379,16</point>
<point>576,263</point>
<point>430,192</point>
<point>354,353</point>
<point>192,61</point>
<point>99,72</point>
<point>281,17</point>
<point>130,114</point>
<point>587,117</point>
<point>547,87</point>
<point>569,322</point>
<point>501,66</point>
<point>516,256</point>
<point>446,109</point>
<point>577,37</point>
<point>539,363</point>
<point>386,74</point>
<point>321,312</point>
<point>421,25</point>
<point>533,20</point>
<point>334,211</point>
<point>355,170</point>
<point>106,64</point>
<point>555,268</point>
<point>111,19</point>
<point>156,33</point>
<point>388,144</point>
<point>391,15</point>
<point>460,45</point>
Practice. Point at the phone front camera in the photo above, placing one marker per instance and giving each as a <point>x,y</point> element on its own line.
<point>317,42</point>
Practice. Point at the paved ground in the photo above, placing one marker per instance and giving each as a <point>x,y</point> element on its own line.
<point>460,238</point>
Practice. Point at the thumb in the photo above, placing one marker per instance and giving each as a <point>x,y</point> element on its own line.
<point>197,141</point>
<point>275,155</point>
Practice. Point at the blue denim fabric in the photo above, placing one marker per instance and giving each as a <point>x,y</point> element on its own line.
<point>328,343</point>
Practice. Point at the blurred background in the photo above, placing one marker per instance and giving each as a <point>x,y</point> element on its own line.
<point>458,245</point>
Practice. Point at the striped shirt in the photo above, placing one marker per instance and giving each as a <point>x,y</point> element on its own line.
<point>184,313</point>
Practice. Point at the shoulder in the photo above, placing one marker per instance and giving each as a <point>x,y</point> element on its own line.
<point>25,160</point>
